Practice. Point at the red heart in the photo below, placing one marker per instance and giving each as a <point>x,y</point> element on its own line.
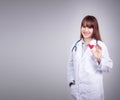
<point>91,46</point>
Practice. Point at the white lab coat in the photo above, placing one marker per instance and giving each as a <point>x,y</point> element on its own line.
<point>87,72</point>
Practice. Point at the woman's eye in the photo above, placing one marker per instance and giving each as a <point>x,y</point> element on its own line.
<point>90,27</point>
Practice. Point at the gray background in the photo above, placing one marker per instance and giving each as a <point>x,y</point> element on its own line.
<point>35,41</point>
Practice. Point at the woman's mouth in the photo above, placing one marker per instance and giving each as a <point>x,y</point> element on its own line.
<point>86,33</point>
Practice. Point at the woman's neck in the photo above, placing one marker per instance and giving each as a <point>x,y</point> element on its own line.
<point>87,40</point>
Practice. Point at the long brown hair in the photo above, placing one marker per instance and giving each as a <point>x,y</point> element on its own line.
<point>91,22</point>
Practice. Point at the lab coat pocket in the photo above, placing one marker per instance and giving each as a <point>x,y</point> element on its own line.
<point>73,91</point>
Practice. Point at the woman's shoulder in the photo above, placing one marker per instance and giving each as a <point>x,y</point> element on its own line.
<point>77,42</point>
<point>101,43</point>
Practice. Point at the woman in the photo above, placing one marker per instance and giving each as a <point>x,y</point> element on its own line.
<point>89,58</point>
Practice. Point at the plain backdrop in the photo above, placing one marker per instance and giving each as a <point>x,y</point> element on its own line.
<point>35,41</point>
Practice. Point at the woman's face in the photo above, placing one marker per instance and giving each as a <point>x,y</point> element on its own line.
<point>86,32</point>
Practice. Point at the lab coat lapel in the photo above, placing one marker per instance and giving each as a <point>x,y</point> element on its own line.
<point>88,50</point>
<point>86,53</point>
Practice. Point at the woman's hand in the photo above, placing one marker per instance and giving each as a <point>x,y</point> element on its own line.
<point>97,53</point>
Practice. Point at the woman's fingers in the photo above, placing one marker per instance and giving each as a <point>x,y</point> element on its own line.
<point>97,53</point>
<point>98,47</point>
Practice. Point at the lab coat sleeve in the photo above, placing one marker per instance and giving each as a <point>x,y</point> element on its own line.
<point>106,62</point>
<point>70,68</point>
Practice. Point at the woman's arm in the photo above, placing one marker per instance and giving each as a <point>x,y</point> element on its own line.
<point>70,70</point>
<point>106,62</point>
<point>103,59</point>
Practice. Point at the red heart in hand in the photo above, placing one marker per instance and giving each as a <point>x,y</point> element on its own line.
<point>91,46</point>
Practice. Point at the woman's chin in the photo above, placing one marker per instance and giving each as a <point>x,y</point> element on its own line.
<point>86,37</point>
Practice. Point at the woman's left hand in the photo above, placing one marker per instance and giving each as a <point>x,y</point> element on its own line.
<point>97,53</point>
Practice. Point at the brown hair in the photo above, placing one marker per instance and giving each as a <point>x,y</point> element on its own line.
<point>91,22</point>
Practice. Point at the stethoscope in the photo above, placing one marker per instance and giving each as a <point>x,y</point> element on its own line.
<point>75,46</point>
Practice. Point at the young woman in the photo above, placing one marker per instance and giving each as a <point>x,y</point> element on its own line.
<point>88,60</point>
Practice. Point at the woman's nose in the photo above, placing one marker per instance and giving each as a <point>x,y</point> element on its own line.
<point>86,28</point>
